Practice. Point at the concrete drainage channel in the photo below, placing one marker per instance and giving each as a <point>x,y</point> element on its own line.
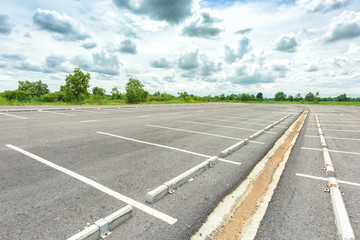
<point>342,220</point>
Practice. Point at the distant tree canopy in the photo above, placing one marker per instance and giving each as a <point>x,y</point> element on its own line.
<point>77,84</point>
<point>135,91</point>
<point>115,94</point>
<point>259,96</point>
<point>280,96</point>
<point>309,97</point>
<point>98,91</point>
<point>37,88</point>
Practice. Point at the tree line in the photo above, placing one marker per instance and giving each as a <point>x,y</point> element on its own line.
<point>76,89</point>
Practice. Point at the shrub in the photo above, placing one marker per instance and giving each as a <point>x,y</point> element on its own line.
<point>53,97</point>
<point>18,95</point>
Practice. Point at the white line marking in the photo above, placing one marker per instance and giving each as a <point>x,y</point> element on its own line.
<point>58,113</point>
<point>87,121</point>
<point>144,116</point>
<point>163,146</point>
<point>319,149</point>
<point>10,115</point>
<point>251,123</point>
<point>209,134</point>
<point>333,130</point>
<point>342,125</point>
<point>90,111</point>
<point>352,139</point>
<point>326,179</point>
<point>98,186</point>
<point>216,125</point>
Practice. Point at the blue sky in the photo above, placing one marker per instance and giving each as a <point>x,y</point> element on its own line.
<point>202,47</point>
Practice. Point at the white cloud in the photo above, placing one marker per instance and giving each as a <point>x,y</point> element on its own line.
<point>203,27</point>
<point>322,6</point>
<point>286,43</point>
<point>345,26</point>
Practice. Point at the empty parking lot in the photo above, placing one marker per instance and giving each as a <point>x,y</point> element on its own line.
<point>65,168</point>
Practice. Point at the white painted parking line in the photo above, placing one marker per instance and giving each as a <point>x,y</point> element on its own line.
<point>351,139</point>
<point>335,151</point>
<point>10,115</point>
<point>327,179</point>
<point>333,130</point>
<point>87,121</point>
<point>65,114</point>
<point>168,147</point>
<point>251,123</point>
<point>340,125</point>
<point>89,111</point>
<point>98,186</point>
<point>208,134</point>
<point>224,126</point>
<point>144,116</point>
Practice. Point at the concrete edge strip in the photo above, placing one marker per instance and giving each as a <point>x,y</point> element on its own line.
<point>102,227</point>
<point>328,165</point>
<point>238,145</point>
<point>342,220</point>
<point>224,209</point>
<point>169,187</point>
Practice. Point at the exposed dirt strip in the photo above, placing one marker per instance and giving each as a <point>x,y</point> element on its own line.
<point>253,195</point>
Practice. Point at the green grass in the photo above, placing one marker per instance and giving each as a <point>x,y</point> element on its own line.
<point>109,101</point>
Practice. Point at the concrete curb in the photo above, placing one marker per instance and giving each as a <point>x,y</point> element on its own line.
<point>168,187</point>
<point>234,147</point>
<point>345,231</point>
<point>102,227</point>
<point>255,135</point>
<point>342,221</point>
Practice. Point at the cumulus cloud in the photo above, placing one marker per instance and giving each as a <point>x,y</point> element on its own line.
<point>173,11</point>
<point>12,57</point>
<point>161,62</point>
<point>286,43</point>
<point>169,76</point>
<point>188,60</point>
<point>103,62</point>
<point>322,6</point>
<point>340,62</point>
<point>62,25</point>
<point>53,64</point>
<point>312,68</point>
<point>208,66</point>
<point>282,69</point>
<point>5,26</point>
<point>54,61</point>
<point>89,45</point>
<point>231,55</point>
<point>345,26</point>
<point>127,46</point>
<point>27,35</point>
<point>202,27</point>
<point>252,70</point>
<point>244,31</point>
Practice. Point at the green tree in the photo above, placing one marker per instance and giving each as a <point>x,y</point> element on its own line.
<point>245,97</point>
<point>309,97</point>
<point>298,97</point>
<point>342,98</point>
<point>37,88</point>
<point>290,98</point>
<point>77,84</point>
<point>98,91</point>
<point>135,91</point>
<point>259,96</point>
<point>280,96</point>
<point>115,93</point>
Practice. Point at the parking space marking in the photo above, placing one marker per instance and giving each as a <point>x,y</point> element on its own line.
<point>342,125</point>
<point>168,147</point>
<point>352,139</point>
<point>336,151</point>
<point>333,130</point>
<point>144,116</point>
<point>90,111</point>
<point>251,123</point>
<point>209,134</point>
<point>138,205</point>
<point>327,179</point>
<point>87,121</point>
<point>224,126</point>
<point>10,115</point>
<point>65,114</point>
